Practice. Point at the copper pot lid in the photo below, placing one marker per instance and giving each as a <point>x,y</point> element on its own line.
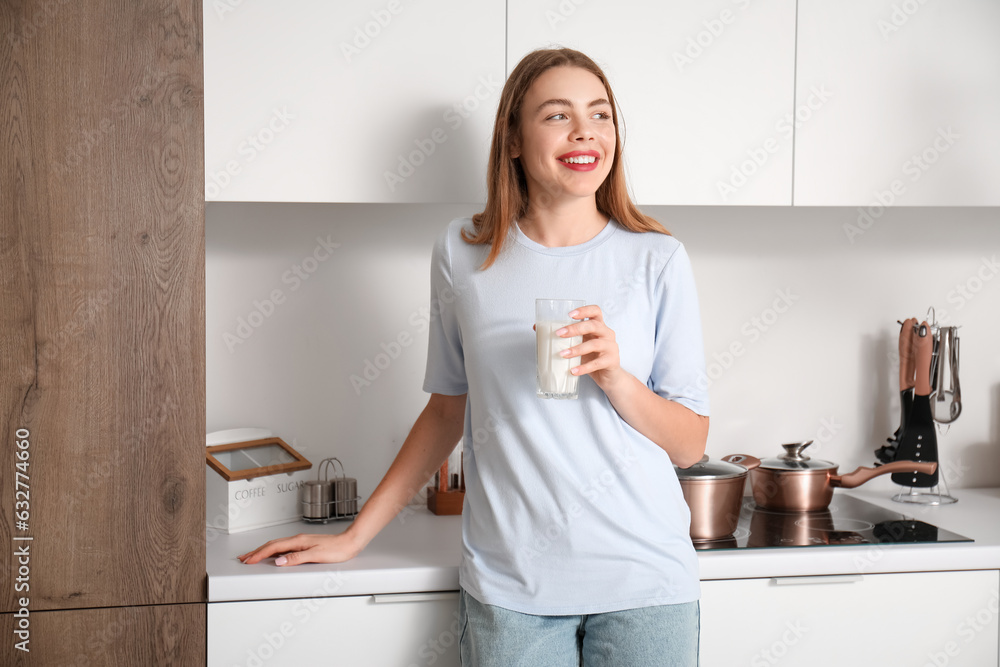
<point>794,458</point>
<point>707,469</point>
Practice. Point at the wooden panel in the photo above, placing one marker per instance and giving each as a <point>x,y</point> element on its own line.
<point>158,635</point>
<point>102,291</point>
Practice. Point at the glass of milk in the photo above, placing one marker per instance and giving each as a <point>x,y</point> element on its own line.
<point>554,378</point>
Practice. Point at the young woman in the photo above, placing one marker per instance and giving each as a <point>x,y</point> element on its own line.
<point>575,532</point>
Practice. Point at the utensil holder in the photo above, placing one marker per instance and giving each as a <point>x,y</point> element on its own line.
<point>441,500</point>
<point>944,356</point>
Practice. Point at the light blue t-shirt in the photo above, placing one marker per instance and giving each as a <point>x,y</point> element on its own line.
<point>568,509</point>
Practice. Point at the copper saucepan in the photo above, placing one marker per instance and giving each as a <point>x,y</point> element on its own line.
<point>796,483</point>
<point>714,493</point>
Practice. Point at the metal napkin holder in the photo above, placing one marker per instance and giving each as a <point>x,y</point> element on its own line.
<point>324,499</point>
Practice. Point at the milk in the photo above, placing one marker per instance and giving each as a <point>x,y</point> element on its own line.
<point>554,378</point>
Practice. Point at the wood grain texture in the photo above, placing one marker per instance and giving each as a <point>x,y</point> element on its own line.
<point>102,299</point>
<point>111,637</point>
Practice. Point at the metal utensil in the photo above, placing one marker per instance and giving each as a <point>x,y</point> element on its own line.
<point>946,392</point>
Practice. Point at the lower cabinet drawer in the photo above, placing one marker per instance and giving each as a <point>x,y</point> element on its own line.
<point>934,619</point>
<point>405,630</point>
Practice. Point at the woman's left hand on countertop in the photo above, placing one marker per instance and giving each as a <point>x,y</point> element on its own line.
<point>305,548</point>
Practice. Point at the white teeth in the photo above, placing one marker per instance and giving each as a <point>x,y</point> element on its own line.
<point>581,159</point>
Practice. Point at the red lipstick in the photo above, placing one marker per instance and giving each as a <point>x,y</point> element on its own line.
<point>577,166</point>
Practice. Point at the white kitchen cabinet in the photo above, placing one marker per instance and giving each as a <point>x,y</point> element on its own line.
<point>403,630</point>
<point>923,618</point>
<point>367,101</point>
<point>705,88</point>
<point>914,98</point>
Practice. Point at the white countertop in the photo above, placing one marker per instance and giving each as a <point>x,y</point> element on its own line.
<point>419,551</point>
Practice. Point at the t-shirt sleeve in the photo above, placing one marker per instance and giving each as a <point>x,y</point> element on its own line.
<point>678,372</point>
<point>445,372</point>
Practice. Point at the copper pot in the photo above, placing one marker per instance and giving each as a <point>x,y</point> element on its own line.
<point>796,483</point>
<point>714,493</point>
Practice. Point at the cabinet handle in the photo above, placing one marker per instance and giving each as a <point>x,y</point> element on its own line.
<point>414,597</point>
<point>805,581</point>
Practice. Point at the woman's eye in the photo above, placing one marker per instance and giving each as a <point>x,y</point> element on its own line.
<point>601,115</point>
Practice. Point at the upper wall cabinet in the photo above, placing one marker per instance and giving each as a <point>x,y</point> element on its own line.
<point>705,88</point>
<point>912,115</point>
<point>365,101</point>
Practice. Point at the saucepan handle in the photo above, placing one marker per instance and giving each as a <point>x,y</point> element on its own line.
<point>745,460</point>
<point>863,474</point>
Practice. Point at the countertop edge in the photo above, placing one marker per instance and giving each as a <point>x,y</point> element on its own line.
<point>422,556</point>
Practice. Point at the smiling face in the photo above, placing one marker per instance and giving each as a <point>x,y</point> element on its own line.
<point>567,135</point>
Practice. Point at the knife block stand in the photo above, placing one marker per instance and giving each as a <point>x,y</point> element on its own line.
<point>933,496</point>
<point>445,502</point>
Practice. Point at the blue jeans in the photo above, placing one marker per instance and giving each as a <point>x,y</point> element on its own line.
<point>660,636</point>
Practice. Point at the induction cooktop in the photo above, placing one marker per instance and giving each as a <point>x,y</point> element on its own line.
<point>848,521</point>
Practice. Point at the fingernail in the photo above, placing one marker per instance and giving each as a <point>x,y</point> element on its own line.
<point>564,353</point>
<point>280,560</point>
<point>560,332</point>
<point>574,313</point>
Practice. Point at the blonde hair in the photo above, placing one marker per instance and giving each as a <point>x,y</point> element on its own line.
<point>507,189</point>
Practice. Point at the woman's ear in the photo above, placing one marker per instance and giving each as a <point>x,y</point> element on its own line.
<point>515,145</point>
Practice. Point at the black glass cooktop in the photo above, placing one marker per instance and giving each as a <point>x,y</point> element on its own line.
<point>848,521</point>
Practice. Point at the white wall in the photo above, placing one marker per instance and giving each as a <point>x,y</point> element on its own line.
<point>824,369</point>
